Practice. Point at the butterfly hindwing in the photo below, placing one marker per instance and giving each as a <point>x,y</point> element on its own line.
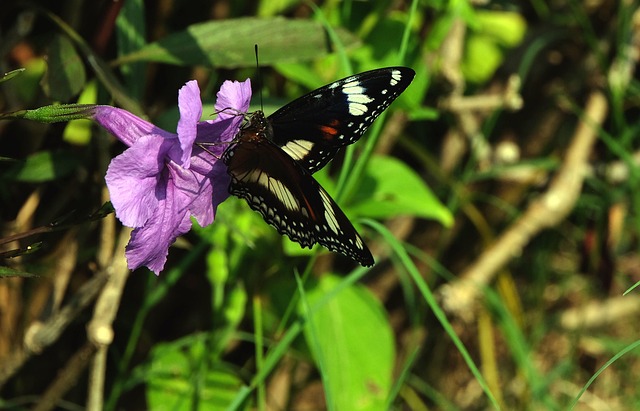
<point>288,197</point>
<point>314,127</point>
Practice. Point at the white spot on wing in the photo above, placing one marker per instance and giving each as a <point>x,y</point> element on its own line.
<point>329,213</point>
<point>353,87</point>
<point>297,149</point>
<point>359,98</point>
<point>359,242</point>
<point>276,187</point>
<point>284,195</point>
<point>357,109</point>
<point>396,76</point>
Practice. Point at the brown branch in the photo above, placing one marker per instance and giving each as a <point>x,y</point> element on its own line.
<point>600,313</point>
<point>99,329</point>
<point>547,211</point>
<point>40,336</point>
<point>508,99</point>
<point>99,332</point>
<point>66,378</point>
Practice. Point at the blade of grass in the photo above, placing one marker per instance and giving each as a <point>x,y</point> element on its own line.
<point>402,378</point>
<point>622,352</point>
<point>270,362</point>
<point>429,298</point>
<point>257,326</point>
<point>520,350</point>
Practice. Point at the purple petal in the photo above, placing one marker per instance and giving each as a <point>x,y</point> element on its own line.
<point>162,179</point>
<point>149,245</point>
<point>193,193</point>
<point>216,184</point>
<point>212,133</point>
<point>126,126</point>
<point>232,102</point>
<point>220,181</point>
<point>233,99</point>
<point>134,180</point>
<point>190,107</point>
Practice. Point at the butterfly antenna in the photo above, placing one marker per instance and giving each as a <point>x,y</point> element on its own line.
<point>259,72</point>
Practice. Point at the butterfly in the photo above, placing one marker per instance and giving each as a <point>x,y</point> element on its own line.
<point>272,159</point>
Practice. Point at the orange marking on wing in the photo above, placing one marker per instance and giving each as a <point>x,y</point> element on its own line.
<point>330,130</point>
<point>311,213</point>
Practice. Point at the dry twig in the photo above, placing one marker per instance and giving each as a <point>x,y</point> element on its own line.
<point>600,313</point>
<point>547,211</point>
<point>99,329</point>
<point>39,336</point>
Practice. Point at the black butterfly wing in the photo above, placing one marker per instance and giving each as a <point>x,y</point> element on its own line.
<point>288,198</point>
<point>314,127</point>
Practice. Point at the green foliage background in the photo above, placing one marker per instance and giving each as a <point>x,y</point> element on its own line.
<point>244,319</point>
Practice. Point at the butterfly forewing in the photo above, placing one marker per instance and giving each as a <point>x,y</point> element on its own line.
<point>287,196</point>
<point>314,127</point>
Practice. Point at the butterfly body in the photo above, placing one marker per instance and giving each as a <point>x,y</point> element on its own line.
<point>272,159</point>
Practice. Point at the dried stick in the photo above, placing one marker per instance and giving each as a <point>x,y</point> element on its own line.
<point>40,336</point>
<point>600,313</point>
<point>547,211</point>
<point>66,378</point>
<point>99,329</point>
<point>100,335</point>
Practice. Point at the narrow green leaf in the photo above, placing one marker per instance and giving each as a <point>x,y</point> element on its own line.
<point>230,43</point>
<point>131,36</point>
<point>391,188</point>
<point>430,299</point>
<point>43,166</point>
<point>11,74</point>
<point>353,343</point>
<point>65,76</point>
<point>6,272</point>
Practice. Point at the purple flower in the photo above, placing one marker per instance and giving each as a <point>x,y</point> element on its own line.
<point>163,179</point>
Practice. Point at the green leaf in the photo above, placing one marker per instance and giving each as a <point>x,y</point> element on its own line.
<point>27,85</point>
<point>43,166</point>
<point>79,131</point>
<point>178,380</point>
<point>484,49</point>
<point>230,43</point>
<point>300,74</point>
<point>391,188</point>
<point>506,27</point>
<point>482,57</point>
<point>273,7</point>
<point>8,76</point>
<point>100,68</point>
<point>131,36</point>
<point>6,272</point>
<point>352,341</point>
<point>65,76</point>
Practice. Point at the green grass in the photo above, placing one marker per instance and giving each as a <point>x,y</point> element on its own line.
<point>244,319</point>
